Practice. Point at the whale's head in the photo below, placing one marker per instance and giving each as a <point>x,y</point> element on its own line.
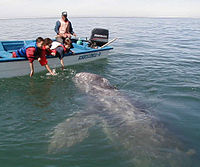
<point>91,82</point>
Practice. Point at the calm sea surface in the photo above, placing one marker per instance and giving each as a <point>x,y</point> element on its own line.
<point>155,63</point>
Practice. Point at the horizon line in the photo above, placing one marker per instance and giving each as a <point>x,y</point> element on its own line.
<point>151,17</point>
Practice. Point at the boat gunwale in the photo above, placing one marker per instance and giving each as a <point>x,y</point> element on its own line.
<point>3,59</point>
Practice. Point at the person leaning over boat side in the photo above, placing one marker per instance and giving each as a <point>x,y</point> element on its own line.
<point>63,28</point>
<point>32,51</point>
<point>44,52</point>
<point>62,49</point>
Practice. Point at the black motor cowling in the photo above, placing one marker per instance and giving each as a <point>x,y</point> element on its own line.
<point>99,37</point>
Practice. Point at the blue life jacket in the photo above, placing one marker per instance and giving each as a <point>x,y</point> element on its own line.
<point>22,51</point>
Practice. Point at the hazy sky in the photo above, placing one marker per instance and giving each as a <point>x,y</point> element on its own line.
<point>116,8</point>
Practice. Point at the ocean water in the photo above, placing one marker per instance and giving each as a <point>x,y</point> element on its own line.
<point>155,64</point>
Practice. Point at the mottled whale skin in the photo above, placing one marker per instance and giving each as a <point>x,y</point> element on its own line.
<point>146,141</point>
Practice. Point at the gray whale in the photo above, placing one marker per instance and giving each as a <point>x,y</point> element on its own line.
<point>147,142</point>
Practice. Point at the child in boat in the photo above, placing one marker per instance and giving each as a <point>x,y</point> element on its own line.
<point>33,51</point>
<point>62,49</point>
<point>44,52</point>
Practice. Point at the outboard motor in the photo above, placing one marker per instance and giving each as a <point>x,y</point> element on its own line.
<point>99,37</point>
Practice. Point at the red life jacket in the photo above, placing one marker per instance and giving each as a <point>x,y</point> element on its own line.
<point>54,50</point>
<point>63,47</point>
<point>22,51</point>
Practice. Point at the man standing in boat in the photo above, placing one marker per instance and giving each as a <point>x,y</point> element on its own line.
<point>63,28</point>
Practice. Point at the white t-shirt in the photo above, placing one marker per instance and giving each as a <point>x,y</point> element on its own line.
<point>55,44</point>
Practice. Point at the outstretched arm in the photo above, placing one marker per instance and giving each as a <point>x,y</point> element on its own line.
<point>48,68</point>
<point>30,55</point>
<point>32,69</point>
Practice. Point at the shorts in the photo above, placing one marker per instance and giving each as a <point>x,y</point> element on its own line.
<point>60,52</point>
<point>60,39</point>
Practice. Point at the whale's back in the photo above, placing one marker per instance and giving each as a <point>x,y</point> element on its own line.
<point>88,80</point>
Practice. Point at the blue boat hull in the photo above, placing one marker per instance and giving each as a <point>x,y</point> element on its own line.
<point>12,67</point>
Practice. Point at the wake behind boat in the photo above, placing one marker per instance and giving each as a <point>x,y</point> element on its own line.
<point>83,52</point>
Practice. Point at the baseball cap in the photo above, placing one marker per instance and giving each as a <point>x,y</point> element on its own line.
<point>64,13</point>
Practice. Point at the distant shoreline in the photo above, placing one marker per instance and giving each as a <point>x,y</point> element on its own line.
<point>100,17</point>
